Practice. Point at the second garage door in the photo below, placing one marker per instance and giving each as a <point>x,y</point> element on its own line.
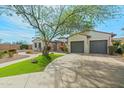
<point>98,46</point>
<point>77,47</point>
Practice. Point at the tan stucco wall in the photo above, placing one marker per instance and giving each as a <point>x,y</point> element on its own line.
<point>77,37</point>
<point>37,41</point>
<point>94,36</point>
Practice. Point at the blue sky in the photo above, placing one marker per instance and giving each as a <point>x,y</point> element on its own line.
<point>12,28</point>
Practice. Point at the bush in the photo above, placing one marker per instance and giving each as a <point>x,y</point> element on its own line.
<point>119,47</point>
<point>48,48</point>
<point>119,51</point>
<point>122,46</point>
<point>5,51</point>
<point>29,52</point>
<point>1,54</point>
<point>64,48</point>
<point>112,50</point>
<point>11,52</point>
<point>23,46</point>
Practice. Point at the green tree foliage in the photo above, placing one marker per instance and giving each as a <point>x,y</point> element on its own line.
<point>119,47</point>
<point>23,44</point>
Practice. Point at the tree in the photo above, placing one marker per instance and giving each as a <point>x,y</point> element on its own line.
<point>23,44</point>
<point>53,21</point>
<point>20,42</point>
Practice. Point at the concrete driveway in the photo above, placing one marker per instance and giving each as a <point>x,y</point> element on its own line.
<point>74,70</point>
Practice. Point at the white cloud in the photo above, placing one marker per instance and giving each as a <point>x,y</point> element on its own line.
<point>17,21</point>
<point>4,34</point>
<point>15,34</point>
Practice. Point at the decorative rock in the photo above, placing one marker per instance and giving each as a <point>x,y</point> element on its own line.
<point>34,61</point>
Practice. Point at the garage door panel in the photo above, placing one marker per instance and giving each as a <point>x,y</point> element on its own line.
<point>98,46</point>
<point>77,47</point>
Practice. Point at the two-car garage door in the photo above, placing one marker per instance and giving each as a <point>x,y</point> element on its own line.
<point>96,46</point>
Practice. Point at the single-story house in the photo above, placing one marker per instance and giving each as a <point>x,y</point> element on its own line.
<point>38,45</point>
<point>90,42</point>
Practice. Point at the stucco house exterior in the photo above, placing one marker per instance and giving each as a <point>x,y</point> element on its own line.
<point>90,42</point>
<point>38,45</point>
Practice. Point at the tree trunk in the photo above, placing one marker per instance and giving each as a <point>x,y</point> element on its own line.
<point>45,50</point>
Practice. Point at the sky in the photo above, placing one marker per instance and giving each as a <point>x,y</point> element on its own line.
<point>12,28</point>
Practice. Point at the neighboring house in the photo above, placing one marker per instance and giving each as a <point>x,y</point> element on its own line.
<point>90,42</point>
<point>38,45</point>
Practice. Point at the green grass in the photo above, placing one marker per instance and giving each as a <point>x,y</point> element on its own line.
<point>27,66</point>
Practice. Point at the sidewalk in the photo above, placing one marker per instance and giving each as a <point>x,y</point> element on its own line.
<point>32,80</point>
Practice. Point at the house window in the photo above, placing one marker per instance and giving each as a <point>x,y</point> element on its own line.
<point>39,45</point>
<point>35,45</point>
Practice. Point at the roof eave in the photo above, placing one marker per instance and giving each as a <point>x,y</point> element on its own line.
<point>113,35</point>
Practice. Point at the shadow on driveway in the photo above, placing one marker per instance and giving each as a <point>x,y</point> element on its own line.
<point>74,70</point>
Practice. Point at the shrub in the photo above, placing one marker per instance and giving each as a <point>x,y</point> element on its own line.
<point>11,52</point>
<point>48,48</point>
<point>64,48</point>
<point>112,50</point>
<point>23,46</point>
<point>5,51</point>
<point>122,48</point>
<point>29,52</point>
<point>119,51</point>
<point>119,47</point>
<point>1,54</point>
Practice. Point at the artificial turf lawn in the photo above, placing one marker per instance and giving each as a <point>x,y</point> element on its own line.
<point>27,66</point>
